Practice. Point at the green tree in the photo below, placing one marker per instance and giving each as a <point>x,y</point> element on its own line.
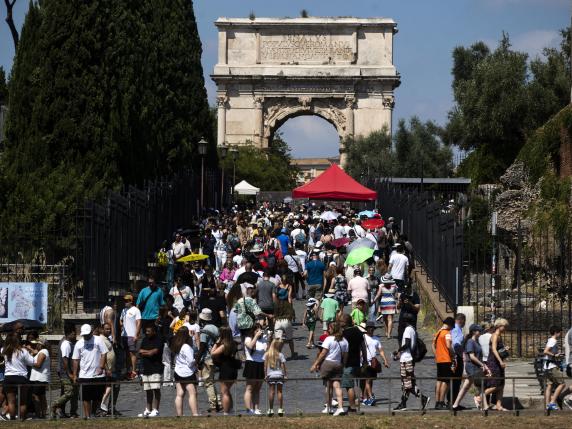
<point>269,170</point>
<point>370,156</point>
<point>3,88</point>
<point>102,94</point>
<point>419,150</point>
<point>500,98</point>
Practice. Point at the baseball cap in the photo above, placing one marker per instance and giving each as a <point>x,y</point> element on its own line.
<point>475,327</point>
<point>311,302</point>
<point>85,329</point>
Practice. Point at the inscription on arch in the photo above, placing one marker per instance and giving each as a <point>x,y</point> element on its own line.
<point>305,47</point>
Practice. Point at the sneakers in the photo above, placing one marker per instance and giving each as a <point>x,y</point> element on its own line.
<point>280,412</point>
<point>424,401</point>
<point>249,412</point>
<point>144,414</point>
<point>326,410</point>
<point>441,406</point>
<point>552,407</point>
<point>270,412</point>
<point>401,407</point>
<point>339,412</point>
<point>568,401</point>
<point>257,412</point>
<point>154,413</point>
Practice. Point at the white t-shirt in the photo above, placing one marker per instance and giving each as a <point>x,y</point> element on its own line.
<point>237,259</point>
<point>276,372</point>
<point>302,258</point>
<point>256,354</point>
<point>185,361</point>
<point>358,287</point>
<point>89,352</point>
<point>178,249</point>
<point>335,348</point>
<point>399,263</point>
<point>19,364</point>
<point>339,231</point>
<point>65,352</point>
<point>292,265</point>
<point>238,272</point>
<point>409,332</point>
<point>41,374</point>
<point>485,342</point>
<point>552,344</point>
<point>129,318</point>
<point>185,293</point>
<point>372,345</point>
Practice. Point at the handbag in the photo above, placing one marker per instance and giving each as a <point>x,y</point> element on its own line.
<point>503,353</point>
<point>375,365</point>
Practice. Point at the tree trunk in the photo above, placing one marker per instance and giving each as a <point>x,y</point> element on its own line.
<point>10,21</point>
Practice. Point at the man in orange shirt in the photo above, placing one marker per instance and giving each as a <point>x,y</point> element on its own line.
<point>444,358</point>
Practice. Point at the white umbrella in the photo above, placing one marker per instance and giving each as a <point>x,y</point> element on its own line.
<point>329,215</point>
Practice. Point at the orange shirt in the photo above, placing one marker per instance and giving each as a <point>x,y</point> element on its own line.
<point>442,354</point>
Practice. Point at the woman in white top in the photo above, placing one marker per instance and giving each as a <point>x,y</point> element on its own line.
<point>40,377</point>
<point>185,371</point>
<point>17,360</point>
<point>373,348</point>
<point>330,363</point>
<point>255,345</point>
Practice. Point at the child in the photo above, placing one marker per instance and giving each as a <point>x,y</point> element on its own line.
<point>194,328</point>
<point>329,309</point>
<point>180,321</point>
<point>275,372</point>
<point>358,313</point>
<point>310,319</point>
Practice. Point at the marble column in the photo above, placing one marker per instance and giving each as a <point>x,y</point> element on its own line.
<point>259,120</point>
<point>350,128</point>
<point>221,119</point>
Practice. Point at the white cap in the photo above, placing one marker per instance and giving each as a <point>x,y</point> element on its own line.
<point>85,329</point>
<point>247,285</point>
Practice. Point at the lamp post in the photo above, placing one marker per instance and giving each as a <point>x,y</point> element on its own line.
<point>234,153</point>
<point>202,152</point>
<point>223,152</point>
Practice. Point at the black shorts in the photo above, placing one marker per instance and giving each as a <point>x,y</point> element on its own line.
<point>253,370</point>
<point>444,372</point>
<point>90,389</point>
<point>38,388</point>
<point>11,382</point>
<point>185,380</point>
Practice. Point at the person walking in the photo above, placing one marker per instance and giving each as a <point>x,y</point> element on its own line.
<point>255,345</point>
<point>149,301</point>
<point>185,371</point>
<point>458,341</point>
<point>407,365</point>
<point>283,319</point>
<point>358,288</point>
<point>151,353</point>
<point>315,275</point>
<point>17,359</point>
<point>329,309</point>
<point>445,360</point>
<point>496,363</point>
<point>275,375</point>
<point>209,335</point>
<point>130,322</point>
<point>330,363</point>
<point>409,305</point>
<point>356,358</point>
<point>475,369</point>
<point>374,293</point>
<point>69,391</point>
<point>555,383</point>
<point>388,304</point>
<point>310,319</point>
<point>89,362</point>
<point>399,267</point>
<point>107,406</point>
<point>223,354</point>
<point>374,348</point>
<point>485,339</point>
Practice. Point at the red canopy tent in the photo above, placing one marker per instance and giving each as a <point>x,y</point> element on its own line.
<point>334,184</point>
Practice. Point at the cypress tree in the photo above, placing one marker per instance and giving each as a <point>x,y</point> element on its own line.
<point>3,88</point>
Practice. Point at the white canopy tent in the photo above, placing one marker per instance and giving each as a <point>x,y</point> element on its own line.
<point>245,188</point>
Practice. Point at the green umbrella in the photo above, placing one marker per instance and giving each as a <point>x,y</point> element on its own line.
<point>359,255</point>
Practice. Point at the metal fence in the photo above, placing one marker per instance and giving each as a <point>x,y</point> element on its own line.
<point>436,235</point>
<point>524,276</point>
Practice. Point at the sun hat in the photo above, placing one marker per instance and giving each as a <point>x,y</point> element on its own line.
<point>206,314</point>
<point>362,327</point>
<point>85,329</point>
<point>387,279</point>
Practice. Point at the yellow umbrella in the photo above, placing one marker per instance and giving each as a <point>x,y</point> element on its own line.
<point>193,257</point>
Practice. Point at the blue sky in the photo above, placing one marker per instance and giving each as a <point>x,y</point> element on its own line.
<point>428,32</point>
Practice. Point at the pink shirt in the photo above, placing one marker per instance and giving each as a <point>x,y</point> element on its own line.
<point>226,275</point>
<point>358,287</point>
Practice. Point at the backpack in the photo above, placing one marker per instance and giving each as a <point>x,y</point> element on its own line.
<point>341,295</point>
<point>162,258</point>
<point>310,317</point>
<point>271,259</point>
<point>300,238</point>
<point>420,350</point>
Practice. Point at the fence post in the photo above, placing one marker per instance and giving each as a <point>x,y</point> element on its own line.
<point>518,288</point>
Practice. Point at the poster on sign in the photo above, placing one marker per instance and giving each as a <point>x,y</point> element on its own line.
<point>23,301</point>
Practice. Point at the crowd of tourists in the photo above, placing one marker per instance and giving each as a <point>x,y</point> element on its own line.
<point>222,306</point>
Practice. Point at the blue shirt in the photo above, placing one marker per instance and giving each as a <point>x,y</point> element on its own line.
<point>315,270</point>
<point>457,337</point>
<point>284,242</point>
<point>152,305</point>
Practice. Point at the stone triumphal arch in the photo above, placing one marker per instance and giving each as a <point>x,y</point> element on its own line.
<point>270,70</point>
